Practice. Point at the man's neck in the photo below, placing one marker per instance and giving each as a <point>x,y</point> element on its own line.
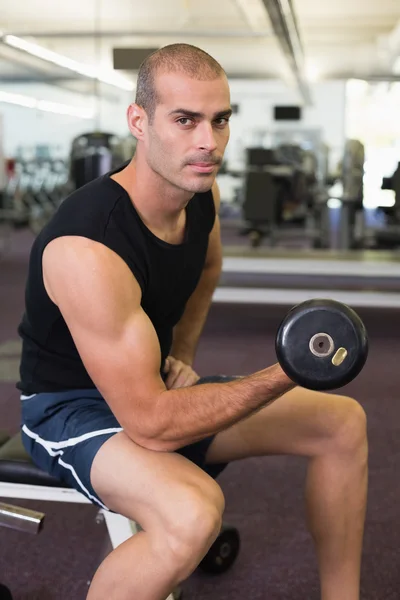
<point>161,207</point>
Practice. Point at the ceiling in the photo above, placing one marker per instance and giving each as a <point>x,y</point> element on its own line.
<point>339,39</point>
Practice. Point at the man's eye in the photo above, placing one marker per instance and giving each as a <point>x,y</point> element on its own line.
<point>184,121</point>
<point>222,122</point>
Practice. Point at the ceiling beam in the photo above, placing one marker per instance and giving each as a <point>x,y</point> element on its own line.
<point>284,24</point>
<point>379,77</point>
<point>37,78</point>
<point>151,33</point>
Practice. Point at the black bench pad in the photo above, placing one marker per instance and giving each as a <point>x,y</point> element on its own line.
<point>16,465</point>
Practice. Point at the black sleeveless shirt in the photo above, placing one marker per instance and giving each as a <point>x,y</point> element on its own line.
<point>167,274</point>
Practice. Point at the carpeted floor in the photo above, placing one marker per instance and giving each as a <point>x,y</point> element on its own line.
<point>263,496</point>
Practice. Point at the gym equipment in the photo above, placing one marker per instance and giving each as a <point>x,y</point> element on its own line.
<point>92,155</point>
<point>4,437</point>
<point>388,237</point>
<point>351,229</point>
<point>322,344</point>
<point>282,195</point>
<point>35,189</point>
<point>5,593</point>
<point>22,519</point>
<point>223,552</point>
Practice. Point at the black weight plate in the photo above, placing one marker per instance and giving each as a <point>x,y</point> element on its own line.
<point>223,552</point>
<point>341,324</point>
<point>5,593</point>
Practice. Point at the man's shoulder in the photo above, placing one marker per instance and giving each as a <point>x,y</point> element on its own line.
<point>101,186</point>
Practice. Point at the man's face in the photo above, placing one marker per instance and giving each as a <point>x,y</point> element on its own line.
<point>186,141</point>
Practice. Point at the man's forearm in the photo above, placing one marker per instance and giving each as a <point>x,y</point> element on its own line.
<point>187,331</point>
<point>185,415</point>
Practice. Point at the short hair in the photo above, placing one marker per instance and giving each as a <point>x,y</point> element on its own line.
<point>175,58</point>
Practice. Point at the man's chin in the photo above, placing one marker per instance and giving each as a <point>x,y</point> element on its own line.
<point>200,184</point>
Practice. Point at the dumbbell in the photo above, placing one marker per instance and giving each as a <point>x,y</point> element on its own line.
<point>5,593</point>
<point>321,344</point>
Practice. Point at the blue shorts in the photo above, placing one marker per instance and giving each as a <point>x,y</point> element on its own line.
<point>62,432</point>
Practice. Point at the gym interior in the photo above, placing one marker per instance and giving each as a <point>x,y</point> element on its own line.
<point>310,208</point>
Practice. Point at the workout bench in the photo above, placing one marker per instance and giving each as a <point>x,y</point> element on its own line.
<point>21,478</point>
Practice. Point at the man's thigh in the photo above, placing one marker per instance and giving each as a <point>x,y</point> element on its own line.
<point>301,422</point>
<point>153,488</point>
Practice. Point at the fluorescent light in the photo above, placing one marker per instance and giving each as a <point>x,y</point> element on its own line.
<point>53,107</point>
<point>93,72</point>
<point>312,71</point>
<point>65,109</point>
<point>26,101</point>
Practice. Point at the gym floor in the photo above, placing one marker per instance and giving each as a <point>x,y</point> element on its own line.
<point>263,496</point>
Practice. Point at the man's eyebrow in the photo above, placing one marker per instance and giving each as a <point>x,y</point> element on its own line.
<point>198,115</point>
<point>223,113</point>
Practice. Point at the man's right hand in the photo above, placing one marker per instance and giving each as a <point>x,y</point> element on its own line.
<point>179,374</point>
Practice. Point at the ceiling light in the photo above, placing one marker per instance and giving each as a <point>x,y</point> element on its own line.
<point>312,72</point>
<point>109,77</point>
<point>53,107</point>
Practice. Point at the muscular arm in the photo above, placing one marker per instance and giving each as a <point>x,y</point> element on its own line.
<point>100,301</point>
<point>187,331</point>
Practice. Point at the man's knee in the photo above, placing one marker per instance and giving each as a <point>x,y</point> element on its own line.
<point>350,426</point>
<point>195,526</point>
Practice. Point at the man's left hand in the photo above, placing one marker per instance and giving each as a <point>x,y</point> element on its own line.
<point>179,374</point>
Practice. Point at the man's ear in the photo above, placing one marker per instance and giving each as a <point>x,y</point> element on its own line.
<point>137,119</point>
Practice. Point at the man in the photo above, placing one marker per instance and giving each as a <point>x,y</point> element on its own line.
<point>119,287</point>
